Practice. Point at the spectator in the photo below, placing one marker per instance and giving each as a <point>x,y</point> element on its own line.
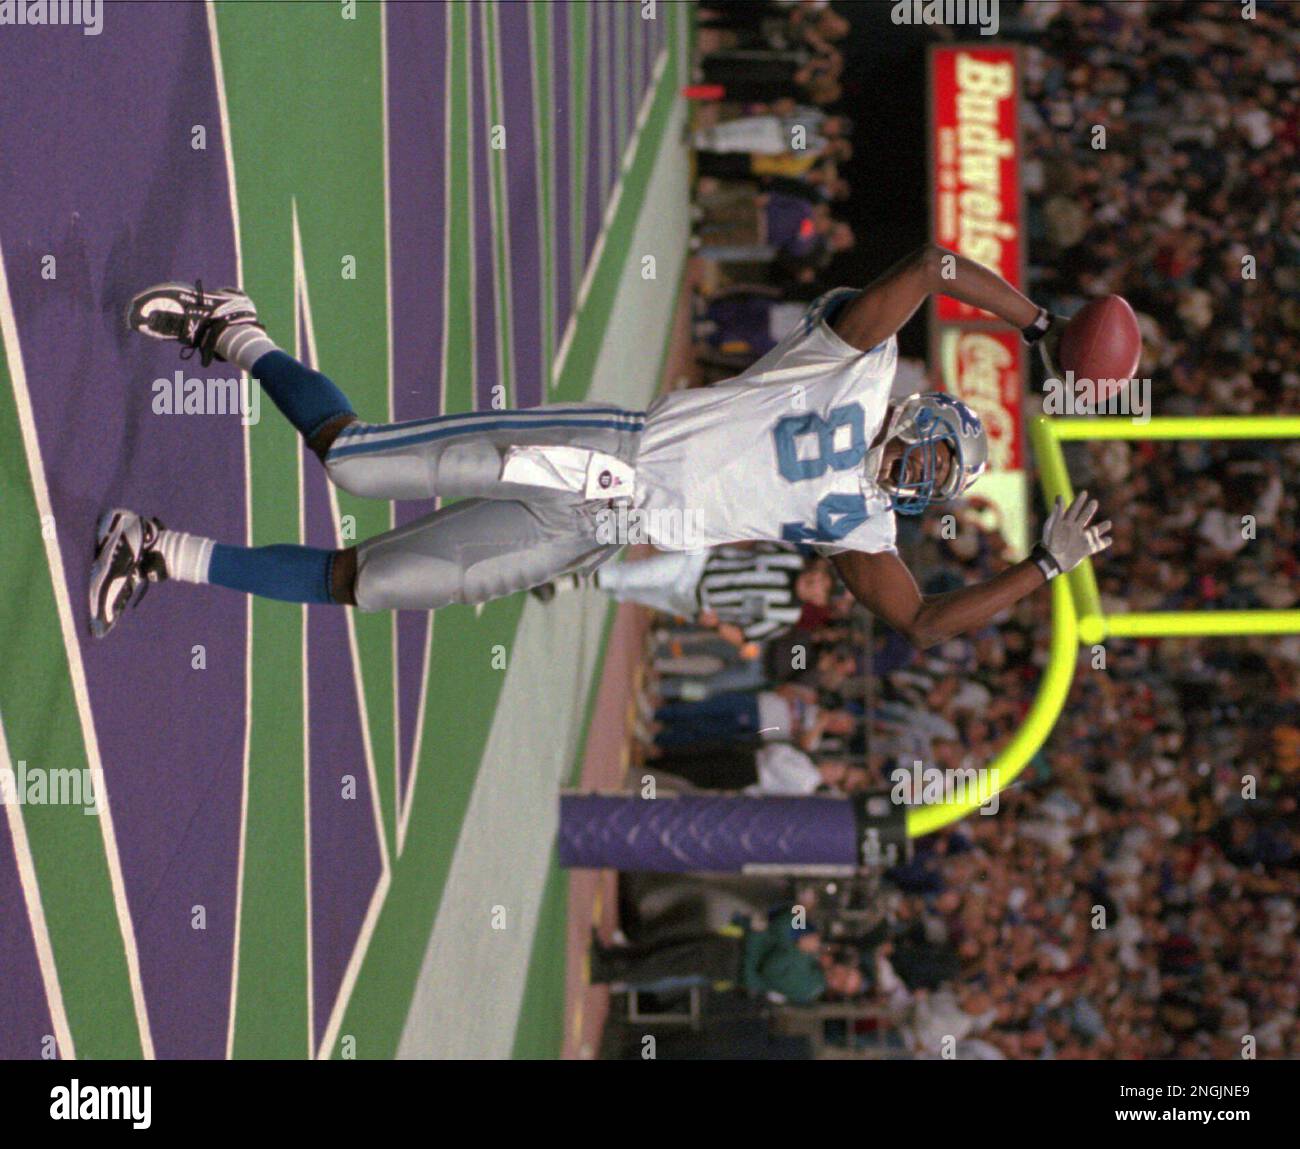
<point>763,959</point>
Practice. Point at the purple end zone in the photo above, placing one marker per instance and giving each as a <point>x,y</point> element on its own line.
<point>487,366</point>
<point>594,194</point>
<point>417,93</point>
<point>345,854</point>
<point>524,281</point>
<point>641,32</point>
<point>631,18</point>
<point>25,1026</point>
<point>615,77</point>
<point>650,43</point>
<point>561,166</point>
<point>98,171</point>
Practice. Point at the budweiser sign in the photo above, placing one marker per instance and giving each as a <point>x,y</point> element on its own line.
<point>974,143</point>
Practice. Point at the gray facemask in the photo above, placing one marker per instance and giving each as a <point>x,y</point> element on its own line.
<point>874,461</point>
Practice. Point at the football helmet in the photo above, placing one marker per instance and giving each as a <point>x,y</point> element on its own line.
<point>924,421</point>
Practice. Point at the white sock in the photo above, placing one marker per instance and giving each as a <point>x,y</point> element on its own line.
<point>243,345</point>
<point>565,583</point>
<point>187,556</point>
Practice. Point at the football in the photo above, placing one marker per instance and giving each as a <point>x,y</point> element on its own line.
<point>1102,340</point>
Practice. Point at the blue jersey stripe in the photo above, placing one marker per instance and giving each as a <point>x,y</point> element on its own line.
<point>634,423</point>
<point>471,417</point>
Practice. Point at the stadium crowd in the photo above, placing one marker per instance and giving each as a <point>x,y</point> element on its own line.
<point>1134,895</point>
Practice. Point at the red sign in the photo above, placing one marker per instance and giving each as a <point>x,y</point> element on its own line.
<point>974,145</point>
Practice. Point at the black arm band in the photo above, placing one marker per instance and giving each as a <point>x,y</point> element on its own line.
<point>1042,558</point>
<point>1040,326</point>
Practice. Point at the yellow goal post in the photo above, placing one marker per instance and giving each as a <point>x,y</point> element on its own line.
<point>1077,614</point>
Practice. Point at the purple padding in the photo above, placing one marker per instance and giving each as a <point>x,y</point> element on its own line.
<point>699,832</point>
<point>417,90</point>
<point>98,171</point>
<point>25,1024</point>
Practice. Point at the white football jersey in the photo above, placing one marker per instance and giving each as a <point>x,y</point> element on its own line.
<point>776,453</point>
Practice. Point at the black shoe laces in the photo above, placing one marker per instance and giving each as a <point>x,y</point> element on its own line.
<point>194,313</point>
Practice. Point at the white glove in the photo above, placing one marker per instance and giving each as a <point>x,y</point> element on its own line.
<point>1067,537</point>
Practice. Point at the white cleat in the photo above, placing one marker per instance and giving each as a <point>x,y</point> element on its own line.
<point>192,317</point>
<point>126,562</point>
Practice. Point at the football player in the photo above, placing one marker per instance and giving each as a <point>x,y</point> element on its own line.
<point>804,447</point>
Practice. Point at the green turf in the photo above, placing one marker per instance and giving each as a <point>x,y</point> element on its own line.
<point>290,58</point>
<point>539,1033</point>
<point>42,728</point>
<point>321,152</point>
<point>377,1010</point>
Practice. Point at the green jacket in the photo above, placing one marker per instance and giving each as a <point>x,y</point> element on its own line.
<point>775,964</point>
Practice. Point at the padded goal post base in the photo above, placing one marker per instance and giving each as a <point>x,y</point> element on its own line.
<point>730,833</point>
